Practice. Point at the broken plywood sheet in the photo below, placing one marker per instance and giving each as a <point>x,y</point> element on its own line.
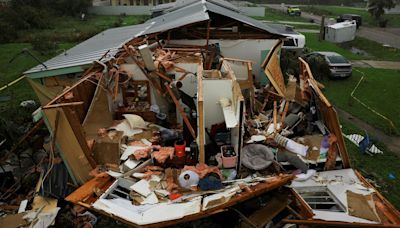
<point>45,94</point>
<point>362,206</point>
<point>99,114</point>
<point>273,70</point>
<point>69,146</point>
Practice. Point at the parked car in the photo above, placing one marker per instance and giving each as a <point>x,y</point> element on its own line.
<point>339,66</point>
<point>293,11</point>
<point>350,17</point>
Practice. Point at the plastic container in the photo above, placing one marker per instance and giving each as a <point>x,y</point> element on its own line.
<point>180,148</point>
<point>229,156</point>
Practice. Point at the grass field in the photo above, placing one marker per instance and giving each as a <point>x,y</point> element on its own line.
<point>367,20</point>
<point>379,90</point>
<point>376,168</point>
<point>375,50</point>
<point>70,29</point>
<point>277,15</point>
<point>11,71</point>
<point>68,32</point>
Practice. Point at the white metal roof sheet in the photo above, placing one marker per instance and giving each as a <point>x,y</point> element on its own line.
<point>111,40</point>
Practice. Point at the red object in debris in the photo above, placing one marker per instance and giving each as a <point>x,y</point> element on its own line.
<point>174,196</point>
<point>180,149</point>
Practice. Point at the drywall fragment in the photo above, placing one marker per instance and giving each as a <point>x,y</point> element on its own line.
<point>151,199</point>
<point>142,187</point>
<point>22,206</point>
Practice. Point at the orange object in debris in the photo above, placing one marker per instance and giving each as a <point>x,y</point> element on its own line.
<point>174,196</point>
<point>180,148</point>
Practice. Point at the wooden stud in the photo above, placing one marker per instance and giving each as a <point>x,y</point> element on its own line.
<point>284,113</point>
<point>201,126</point>
<point>181,111</point>
<point>63,104</point>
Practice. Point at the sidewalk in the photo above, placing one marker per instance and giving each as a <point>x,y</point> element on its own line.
<point>376,64</point>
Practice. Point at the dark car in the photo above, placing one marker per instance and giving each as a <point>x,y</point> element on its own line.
<point>350,17</point>
<point>339,66</point>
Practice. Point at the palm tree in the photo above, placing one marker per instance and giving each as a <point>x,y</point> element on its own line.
<point>376,7</point>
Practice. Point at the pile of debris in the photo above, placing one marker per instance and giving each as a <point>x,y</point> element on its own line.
<point>168,131</point>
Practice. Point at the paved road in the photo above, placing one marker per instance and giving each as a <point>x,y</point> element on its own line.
<point>386,36</point>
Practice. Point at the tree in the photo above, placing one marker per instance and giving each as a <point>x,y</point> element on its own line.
<point>377,7</point>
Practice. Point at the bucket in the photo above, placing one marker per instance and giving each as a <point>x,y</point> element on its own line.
<point>229,157</point>
<point>180,146</point>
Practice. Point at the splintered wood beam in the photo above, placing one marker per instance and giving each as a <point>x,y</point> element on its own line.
<point>163,76</point>
<point>116,87</point>
<point>284,113</point>
<point>70,89</point>
<point>85,192</point>
<point>141,67</point>
<point>181,110</point>
<point>208,32</point>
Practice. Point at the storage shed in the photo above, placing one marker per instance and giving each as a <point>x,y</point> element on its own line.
<point>341,32</point>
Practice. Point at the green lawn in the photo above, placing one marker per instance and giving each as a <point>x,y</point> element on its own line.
<point>277,15</point>
<point>11,71</point>
<point>67,33</point>
<point>377,167</point>
<point>379,90</point>
<point>334,11</point>
<point>73,29</point>
<point>314,45</point>
<point>375,50</point>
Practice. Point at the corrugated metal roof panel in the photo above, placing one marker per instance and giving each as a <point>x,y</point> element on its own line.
<point>240,17</point>
<point>112,39</point>
<point>187,15</point>
<point>92,49</point>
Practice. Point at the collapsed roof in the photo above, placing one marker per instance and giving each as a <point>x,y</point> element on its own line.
<point>106,44</point>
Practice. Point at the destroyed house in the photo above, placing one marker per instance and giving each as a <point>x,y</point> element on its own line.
<point>185,116</point>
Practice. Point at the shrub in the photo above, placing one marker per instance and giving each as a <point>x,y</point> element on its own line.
<point>44,44</point>
<point>7,32</point>
<point>319,67</point>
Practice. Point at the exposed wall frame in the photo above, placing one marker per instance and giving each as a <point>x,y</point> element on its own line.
<point>328,112</point>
